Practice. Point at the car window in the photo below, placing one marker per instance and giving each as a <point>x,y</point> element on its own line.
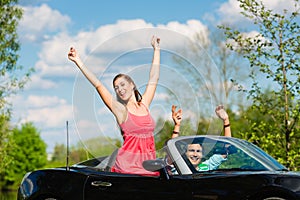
<point>241,160</point>
<point>217,155</point>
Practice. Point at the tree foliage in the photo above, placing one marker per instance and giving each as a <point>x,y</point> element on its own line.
<point>274,53</point>
<point>215,68</point>
<point>76,154</point>
<point>92,148</point>
<point>6,143</point>
<point>12,76</point>
<point>29,153</point>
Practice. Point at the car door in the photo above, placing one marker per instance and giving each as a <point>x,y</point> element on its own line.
<point>123,186</point>
<point>207,187</point>
<point>223,186</point>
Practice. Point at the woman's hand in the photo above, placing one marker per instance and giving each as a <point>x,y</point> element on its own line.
<point>73,55</point>
<point>155,42</point>
<point>221,113</point>
<point>176,115</point>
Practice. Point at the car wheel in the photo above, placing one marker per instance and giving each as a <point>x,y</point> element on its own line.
<point>274,196</point>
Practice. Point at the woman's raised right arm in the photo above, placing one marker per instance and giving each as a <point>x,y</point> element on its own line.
<point>114,106</point>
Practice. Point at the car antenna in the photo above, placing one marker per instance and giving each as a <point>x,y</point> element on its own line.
<point>67,161</point>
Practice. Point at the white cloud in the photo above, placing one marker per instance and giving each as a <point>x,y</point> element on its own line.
<point>114,39</point>
<point>87,129</point>
<point>103,111</point>
<point>189,29</point>
<point>137,34</point>
<point>49,101</point>
<point>50,116</point>
<point>37,82</point>
<point>280,5</point>
<point>37,22</point>
<point>230,11</point>
<point>44,111</point>
<point>161,96</point>
<point>107,32</point>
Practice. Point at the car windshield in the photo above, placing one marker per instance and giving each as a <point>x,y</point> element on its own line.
<point>221,153</point>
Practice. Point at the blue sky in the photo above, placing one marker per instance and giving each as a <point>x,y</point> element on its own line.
<point>112,37</point>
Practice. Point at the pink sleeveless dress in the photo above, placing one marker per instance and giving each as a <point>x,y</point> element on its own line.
<point>138,145</point>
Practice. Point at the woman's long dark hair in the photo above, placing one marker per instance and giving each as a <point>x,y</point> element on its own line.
<point>137,94</point>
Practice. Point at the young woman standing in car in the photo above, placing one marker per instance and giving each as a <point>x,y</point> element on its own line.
<point>131,110</point>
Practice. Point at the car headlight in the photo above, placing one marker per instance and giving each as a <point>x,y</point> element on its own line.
<point>26,187</point>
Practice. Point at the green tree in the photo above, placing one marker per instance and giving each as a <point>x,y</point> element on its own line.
<point>6,143</point>
<point>58,157</point>
<point>29,154</point>
<point>99,146</point>
<point>91,148</point>
<point>12,76</point>
<point>215,68</point>
<point>228,66</point>
<point>60,152</point>
<point>274,53</point>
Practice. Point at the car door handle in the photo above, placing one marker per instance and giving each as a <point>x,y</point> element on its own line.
<point>101,183</point>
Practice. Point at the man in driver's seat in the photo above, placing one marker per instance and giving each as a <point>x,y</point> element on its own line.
<point>194,154</point>
<point>194,151</point>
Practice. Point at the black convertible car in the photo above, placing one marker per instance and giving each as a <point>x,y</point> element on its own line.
<point>248,173</point>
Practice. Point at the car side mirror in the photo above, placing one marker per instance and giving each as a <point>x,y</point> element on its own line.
<point>157,165</point>
<point>153,165</point>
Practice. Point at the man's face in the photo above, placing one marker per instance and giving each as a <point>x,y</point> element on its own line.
<point>194,154</point>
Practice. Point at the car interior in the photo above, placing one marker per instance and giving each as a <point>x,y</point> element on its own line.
<point>237,159</point>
